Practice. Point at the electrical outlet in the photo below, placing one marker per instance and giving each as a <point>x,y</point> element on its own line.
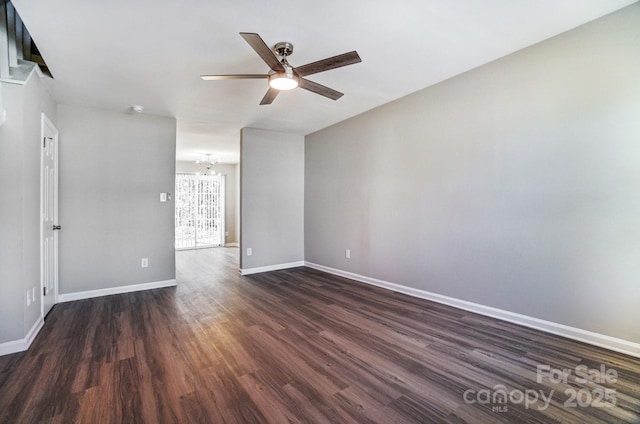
<point>347,253</point>
<point>249,251</point>
<point>28,297</point>
<point>226,233</point>
<point>144,263</point>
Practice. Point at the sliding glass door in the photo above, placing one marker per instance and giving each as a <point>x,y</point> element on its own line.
<point>199,211</point>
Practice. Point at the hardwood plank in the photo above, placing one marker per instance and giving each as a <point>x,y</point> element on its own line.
<point>297,345</point>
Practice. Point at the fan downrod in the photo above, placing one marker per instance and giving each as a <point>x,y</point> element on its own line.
<point>283,48</point>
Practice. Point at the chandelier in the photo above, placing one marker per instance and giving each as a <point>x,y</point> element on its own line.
<point>207,163</point>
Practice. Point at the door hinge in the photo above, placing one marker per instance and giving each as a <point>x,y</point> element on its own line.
<point>44,291</point>
<point>44,141</point>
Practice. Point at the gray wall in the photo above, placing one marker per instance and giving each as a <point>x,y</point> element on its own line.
<point>20,204</point>
<point>272,198</point>
<point>515,185</point>
<point>113,167</point>
<point>231,197</point>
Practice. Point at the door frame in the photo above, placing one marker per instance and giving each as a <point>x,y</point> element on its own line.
<point>45,125</point>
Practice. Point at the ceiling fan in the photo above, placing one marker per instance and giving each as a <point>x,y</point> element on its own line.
<point>282,75</point>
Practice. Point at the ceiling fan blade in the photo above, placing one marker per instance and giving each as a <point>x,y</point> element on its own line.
<point>258,44</point>
<point>270,96</point>
<point>233,76</point>
<point>329,63</point>
<point>320,89</point>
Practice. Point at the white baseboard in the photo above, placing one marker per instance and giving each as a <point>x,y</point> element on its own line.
<point>69,297</point>
<point>21,345</point>
<point>247,271</point>
<point>612,343</point>
<point>234,244</point>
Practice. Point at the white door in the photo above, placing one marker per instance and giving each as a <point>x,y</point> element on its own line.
<point>49,213</point>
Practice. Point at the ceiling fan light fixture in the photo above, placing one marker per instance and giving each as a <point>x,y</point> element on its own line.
<point>282,76</point>
<point>286,80</point>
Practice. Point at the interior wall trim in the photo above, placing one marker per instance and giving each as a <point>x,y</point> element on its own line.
<point>601,340</point>
<point>248,271</point>
<point>69,297</point>
<point>21,345</point>
<point>232,244</point>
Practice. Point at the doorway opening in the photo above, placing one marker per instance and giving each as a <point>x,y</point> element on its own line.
<point>200,211</point>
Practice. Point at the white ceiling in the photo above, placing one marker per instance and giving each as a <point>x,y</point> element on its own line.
<point>113,54</point>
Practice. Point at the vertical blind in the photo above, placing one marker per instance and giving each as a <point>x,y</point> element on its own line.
<point>199,211</point>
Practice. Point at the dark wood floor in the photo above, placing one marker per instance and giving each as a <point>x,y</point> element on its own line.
<point>293,346</point>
